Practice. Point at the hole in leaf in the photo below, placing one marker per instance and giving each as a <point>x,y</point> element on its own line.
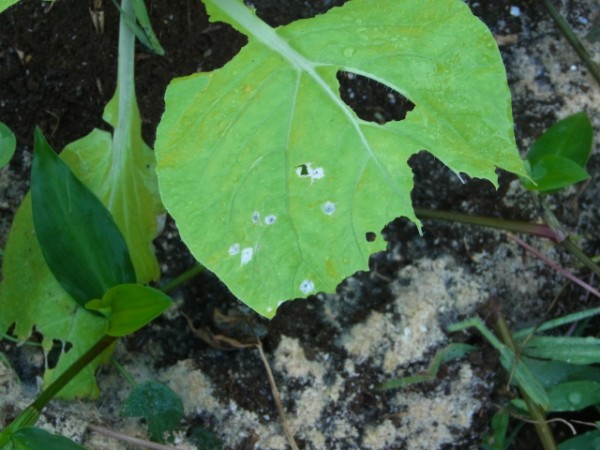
<point>371,100</point>
<point>58,347</point>
<point>370,236</point>
<point>302,169</point>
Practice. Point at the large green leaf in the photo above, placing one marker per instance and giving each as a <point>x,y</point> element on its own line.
<point>5,4</point>
<point>275,182</point>
<point>31,297</point>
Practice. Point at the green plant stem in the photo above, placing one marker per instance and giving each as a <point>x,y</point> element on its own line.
<point>536,413</point>
<point>126,92</point>
<point>535,229</point>
<point>180,279</point>
<point>573,40</point>
<point>565,242</point>
<point>123,372</point>
<point>540,230</point>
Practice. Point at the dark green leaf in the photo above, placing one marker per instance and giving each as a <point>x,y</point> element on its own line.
<point>31,438</point>
<point>551,173</point>
<point>587,441</point>
<point>570,138</point>
<point>557,159</point>
<point>574,350</point>
<point>160,406</point>
<point>141,14</point>
<point>551,373</point>
<point>129,307</point>
<point>8,144</point>
<point>569,396</point>
<point>80,242</point>
<point>497,438</point>
<point>574,395</point>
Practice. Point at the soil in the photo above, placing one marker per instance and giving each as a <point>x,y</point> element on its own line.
<point>328,353</point>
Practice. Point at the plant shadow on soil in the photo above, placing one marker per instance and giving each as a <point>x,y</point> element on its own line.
<point>57,72</point>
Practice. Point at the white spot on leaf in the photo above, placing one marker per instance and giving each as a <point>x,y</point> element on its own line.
<point>307,286</point>
<point>328,208</point>
<point>246,255</point>
<point>307,171</point>
<point>234,249</point>
<point>270,220</point>
<point>317,173</point>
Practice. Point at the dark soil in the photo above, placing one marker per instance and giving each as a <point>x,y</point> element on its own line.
<point>57,72</point>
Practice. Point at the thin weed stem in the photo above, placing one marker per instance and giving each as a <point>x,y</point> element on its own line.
<point>536,413</point>
<point>123,372</point>
<point>535,229</point>
<point>555,266</point>
<point>568,33</point>
<point>129,439</point>
<point>284,422</point>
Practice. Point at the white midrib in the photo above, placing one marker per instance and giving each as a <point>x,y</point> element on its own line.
<point>263,33</point>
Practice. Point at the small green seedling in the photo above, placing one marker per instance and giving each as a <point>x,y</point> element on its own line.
<point>158,404</point>
<point>558,158</point>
